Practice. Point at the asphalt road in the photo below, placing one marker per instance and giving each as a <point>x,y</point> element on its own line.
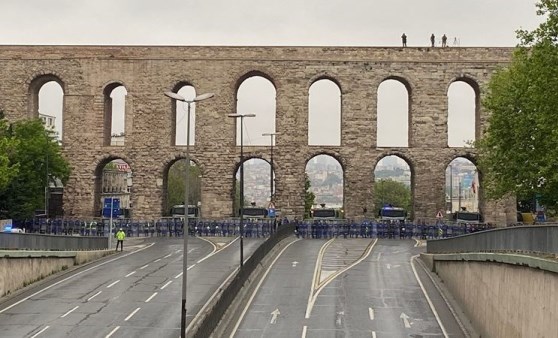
<point>136,293</point>
<point>347,288</point>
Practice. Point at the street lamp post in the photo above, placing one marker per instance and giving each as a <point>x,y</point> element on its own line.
<point>198,98</point>
<point>241,116</point>
<point>271,135</point>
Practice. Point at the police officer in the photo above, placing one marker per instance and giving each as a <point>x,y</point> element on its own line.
<point>120,235</point>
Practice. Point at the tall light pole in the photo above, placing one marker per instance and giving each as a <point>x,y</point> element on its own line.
<point>198,98</point>
<point>271,135</point>
<point>241,116</point>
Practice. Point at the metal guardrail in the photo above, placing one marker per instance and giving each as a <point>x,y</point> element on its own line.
<point>18,241</point>
<point>228,295</point>
<point>541,239</point>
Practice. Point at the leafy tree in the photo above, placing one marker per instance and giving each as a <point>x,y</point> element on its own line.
<point>38,158</point>
<point>518,153</point>
<point>387,191</point>
<point>309,196</point>
<point>175,186</point>
<point>8,144</point>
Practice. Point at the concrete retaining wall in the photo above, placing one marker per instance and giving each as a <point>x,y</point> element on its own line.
<point>21,268</point>
<point>500,298</point>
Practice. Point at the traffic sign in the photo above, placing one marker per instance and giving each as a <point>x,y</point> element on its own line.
<point>271,205</point>
<point>439,214</point>
<point>271,212</point>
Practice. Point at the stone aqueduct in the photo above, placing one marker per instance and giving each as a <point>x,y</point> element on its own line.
<point>84,72</point>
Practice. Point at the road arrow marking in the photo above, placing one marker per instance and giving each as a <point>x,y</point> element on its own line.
<point>339,319</point>
<point>371,313</point>
<point>294,264</point>
<point>405,320</point>
<point>274,316</point>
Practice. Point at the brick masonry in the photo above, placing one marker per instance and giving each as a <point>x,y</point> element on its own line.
<point>148,71</point>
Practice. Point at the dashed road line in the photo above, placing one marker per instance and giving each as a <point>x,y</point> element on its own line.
<point>67,313</point>
<point>167,256</point>
<point>158,259</point>
<point>38,333</point>
<point>151,297</point>
<point>143,267</point>
<point>131,273</point>
<point>112,332</point>
<point>131,314</point>
<point>177,276</point>
<point>166,284</point>
<point>111,284</point>
<point>95,295</point>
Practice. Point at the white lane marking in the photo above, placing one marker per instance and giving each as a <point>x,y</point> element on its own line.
<point>315,277</point>
<point>112,332</point>
<point>417,242</point>
<point>257,288</point>
<point>131,314</point>
<point>452,310</point>
<point>189,251</point>
<point>166,284</point>
<point>215,248</point>
<point>143,267</point>
<point>38,333</point>
<point>373,334</point>
<point>167,256</point>
<point>72,276</point>
<point>371,313</point>
<point>314,295</point>
<point>67,313</point>
<point>190,267</point>
<point>151,297</point>
<point>95,295</point>
<point>111,284</point>
<point>131,273</point>
<point>304,329</point>
<point>158,259</point>
<point>177,276</point>
<point>427,297</point>
<point>219,289</point>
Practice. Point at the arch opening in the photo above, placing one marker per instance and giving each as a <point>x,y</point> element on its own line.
<point>462,114</point>
<point>256,95</point>
<point>325,177</point>
<point>324,113</point>
<point>393,111</point>
<point>51,107</point>
<point>393,185</point>
<point>114,180</point>
<point>462,186</point>
<point>115,115</point>
<point>175,184</point>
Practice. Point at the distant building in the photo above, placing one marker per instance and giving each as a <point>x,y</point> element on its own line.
<point>50,123</point>
<point>117,183</point>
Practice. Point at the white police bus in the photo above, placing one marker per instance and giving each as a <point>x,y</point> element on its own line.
<point>392,214</point>
<point>178,211</point>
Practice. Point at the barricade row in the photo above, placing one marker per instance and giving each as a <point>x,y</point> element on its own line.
<point>173,227</point>
<point>163,227</point>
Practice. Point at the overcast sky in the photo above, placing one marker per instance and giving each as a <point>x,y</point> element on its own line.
<point>259,22</point>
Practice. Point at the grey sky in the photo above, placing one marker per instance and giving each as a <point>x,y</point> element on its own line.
<point>258,22</point>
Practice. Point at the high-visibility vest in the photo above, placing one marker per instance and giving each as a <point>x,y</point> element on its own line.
<point>120,235</point>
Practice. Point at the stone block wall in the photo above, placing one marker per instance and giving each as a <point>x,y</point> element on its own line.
<point>148,71</point>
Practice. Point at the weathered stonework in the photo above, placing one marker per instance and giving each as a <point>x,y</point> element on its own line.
<point>146,72</point>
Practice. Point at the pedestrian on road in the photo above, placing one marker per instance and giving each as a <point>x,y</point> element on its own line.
<point>404,40</point>
<point>432,39</point>
<point>444,41</point>
<point>120,235</point>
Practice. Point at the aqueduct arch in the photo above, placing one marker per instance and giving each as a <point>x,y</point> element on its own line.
<point>148,71</point>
